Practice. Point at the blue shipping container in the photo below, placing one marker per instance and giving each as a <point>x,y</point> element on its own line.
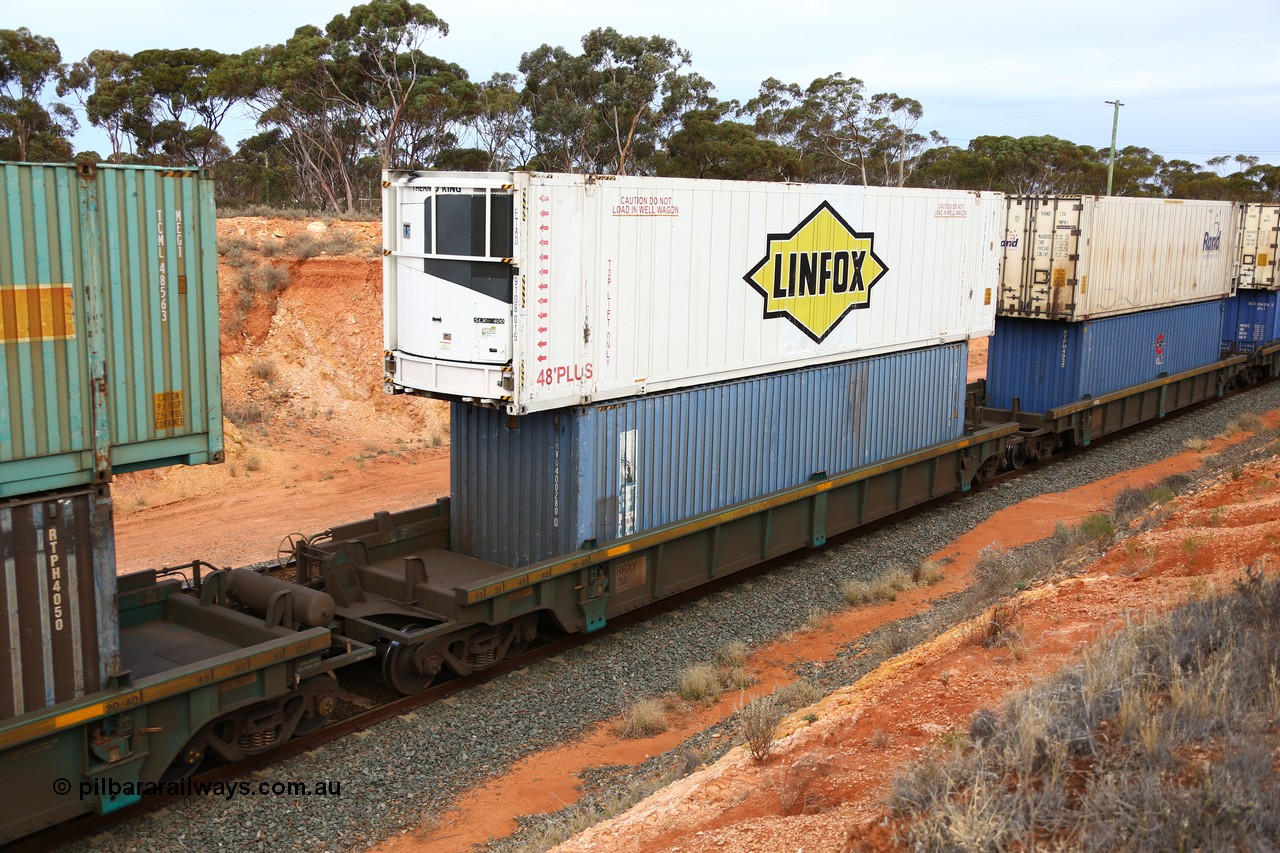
<point>531,488</point>
<point>1250,320</point>
<point>1050,363</point>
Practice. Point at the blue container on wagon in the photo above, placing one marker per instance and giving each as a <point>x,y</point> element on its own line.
<point>1250,320</point>
<point>1050,363</point>
<point>535,487</point>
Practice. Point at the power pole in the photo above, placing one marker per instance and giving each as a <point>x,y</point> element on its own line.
<point>1115,123</point>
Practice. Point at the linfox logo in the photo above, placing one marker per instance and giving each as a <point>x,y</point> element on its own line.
<point>817,273</point>
<point>1213,242</point>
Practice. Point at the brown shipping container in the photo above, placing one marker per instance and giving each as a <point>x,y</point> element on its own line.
<point>59,630</point>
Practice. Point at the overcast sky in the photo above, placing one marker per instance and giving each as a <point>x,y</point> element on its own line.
<point>1197,79</point>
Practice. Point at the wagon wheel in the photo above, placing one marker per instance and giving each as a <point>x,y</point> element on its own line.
<point>1017,455</point>
<point>523,632</point>
<point>410,668</point>
<point>288,550</point>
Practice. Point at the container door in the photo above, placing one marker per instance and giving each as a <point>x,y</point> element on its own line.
<point>1042,248</point>
<point>1258,246</point>
<point>455,274</point>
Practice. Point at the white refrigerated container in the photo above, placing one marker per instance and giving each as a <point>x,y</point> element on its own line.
<point>1085,257</point>
<point>533,292</point>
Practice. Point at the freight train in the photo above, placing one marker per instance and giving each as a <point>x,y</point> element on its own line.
<point>653,383</point>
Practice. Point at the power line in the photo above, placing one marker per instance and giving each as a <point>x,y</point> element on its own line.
<point>1013,117</point>
<point>1234,106</point>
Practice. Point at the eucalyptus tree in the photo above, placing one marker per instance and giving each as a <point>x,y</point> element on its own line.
<point>30,129</point>
<point>502,123</point>
<point>841,135</point>
<point>410,104</point>
<point>108,89</point>
<point>360,86</point>
<point>709,145</point>
<point>609,108</point>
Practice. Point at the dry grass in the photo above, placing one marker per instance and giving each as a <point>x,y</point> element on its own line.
<point>699,682</point>
<point>1248,422</point>
<point>883,588</point>
<point>733,654</point>
<point>644,719</point>
<point>1161,739</point>
<point>798,694</point>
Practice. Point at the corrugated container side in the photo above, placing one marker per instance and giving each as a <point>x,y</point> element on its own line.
<point>108,323</point>
<point>1082,258</point>
<point>1250,319</point>
<point>527,489</point>
<point>59,634</point>
<point>1046,363</point>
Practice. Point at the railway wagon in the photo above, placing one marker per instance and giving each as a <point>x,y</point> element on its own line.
<point>198,677</point>
<point>236,661</point>
<point>109,362</point>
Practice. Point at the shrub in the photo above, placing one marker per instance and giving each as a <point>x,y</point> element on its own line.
<point>272,277</point>
<point>759,723</point>
<point>235,250</point>
<point>301,245</point>
<point>244,413</point>
<point>264,369</point>
<point>996,625</point>
<point>1174,722</point>
<point>337,243</point>
<point>1098,528</point>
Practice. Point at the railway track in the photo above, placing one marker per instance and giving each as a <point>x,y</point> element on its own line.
<point>92,824</point>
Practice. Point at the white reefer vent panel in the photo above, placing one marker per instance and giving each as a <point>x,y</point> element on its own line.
<point>597,288</point>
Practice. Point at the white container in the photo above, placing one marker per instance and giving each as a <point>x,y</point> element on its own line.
<point>1258,246</point>
<point>534,292</point>
<point>1081,258</point>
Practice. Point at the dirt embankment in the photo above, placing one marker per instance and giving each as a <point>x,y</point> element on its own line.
<point>827,781</point>
<point>311,438</point>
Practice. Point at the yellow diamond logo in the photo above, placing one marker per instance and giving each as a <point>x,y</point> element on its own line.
<point>818,273</point>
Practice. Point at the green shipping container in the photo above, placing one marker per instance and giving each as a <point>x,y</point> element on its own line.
<point>108,323</point>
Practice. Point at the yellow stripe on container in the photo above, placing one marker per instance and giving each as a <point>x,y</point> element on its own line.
<point>37,312</point>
